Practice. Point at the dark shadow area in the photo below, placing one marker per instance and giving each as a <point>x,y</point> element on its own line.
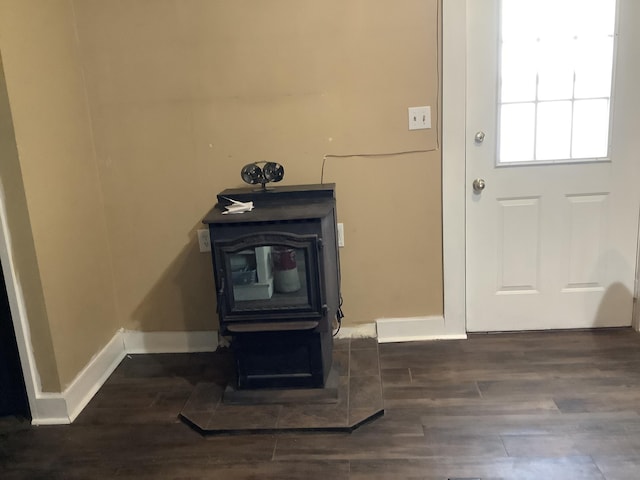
<point>13,394</point>
<point>616,302</point>
<point>616,305</point>
<point>183,299</point>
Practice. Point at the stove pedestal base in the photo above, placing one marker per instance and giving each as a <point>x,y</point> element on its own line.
<point>359,399</point>
<point>262,396</point>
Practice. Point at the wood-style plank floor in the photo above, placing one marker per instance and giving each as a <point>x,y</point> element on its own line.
<point>555,405</point>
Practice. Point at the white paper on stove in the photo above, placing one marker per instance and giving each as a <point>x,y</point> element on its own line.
<point>237,207</point>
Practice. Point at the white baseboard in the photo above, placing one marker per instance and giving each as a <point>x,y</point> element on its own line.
<point>408,329</point>
<point>412,329</point>
<point>364,330</point>
<point>169,342</point>
<point>63,408</point>
<point>93,375</point>
<point>50,409</point>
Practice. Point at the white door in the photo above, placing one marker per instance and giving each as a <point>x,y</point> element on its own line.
<point>551,239</point>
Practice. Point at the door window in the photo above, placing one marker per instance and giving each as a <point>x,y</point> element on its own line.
<point>556,68</point>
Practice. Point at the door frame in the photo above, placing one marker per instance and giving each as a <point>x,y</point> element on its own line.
<point>454,188</point>
<point>454,91</point>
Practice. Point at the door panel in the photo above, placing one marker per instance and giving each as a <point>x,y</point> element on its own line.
<point>583,241</point>
<point>549,245</point>
<point>518,244</point>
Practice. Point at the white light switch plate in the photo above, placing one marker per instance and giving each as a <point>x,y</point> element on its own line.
<point>419,118</point>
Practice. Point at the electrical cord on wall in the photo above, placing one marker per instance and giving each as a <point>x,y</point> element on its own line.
<point>339,313</point>
<point>365,155</point>
<point>438,95</point>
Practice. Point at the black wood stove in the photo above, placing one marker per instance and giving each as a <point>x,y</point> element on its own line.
<point>277,276</point>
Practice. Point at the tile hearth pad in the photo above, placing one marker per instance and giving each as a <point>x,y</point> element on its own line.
<point>359,385</point>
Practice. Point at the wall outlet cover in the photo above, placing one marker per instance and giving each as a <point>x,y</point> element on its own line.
<point>204,241</point>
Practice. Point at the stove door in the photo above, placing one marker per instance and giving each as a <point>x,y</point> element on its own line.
<point>269,277</point>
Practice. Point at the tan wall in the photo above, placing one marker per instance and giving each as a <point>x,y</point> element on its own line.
<point>183,94</point>
<point>130,115</point>
<point>22,246</point>
<point>61,186</point>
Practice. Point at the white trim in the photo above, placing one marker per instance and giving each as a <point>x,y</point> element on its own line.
<point>635,313</point>
<point>63,408</point>
<point>413,329</point>
<point>19,315</point>
<point>453,324</point>
<point>365,330</point>
<point>87,383</point>
<point>51,409</point>
<point>169,342</point>
<point>454,54</point>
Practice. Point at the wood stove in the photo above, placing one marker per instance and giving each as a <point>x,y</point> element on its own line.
<point>277,279</point>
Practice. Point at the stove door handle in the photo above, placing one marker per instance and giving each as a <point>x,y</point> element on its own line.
<point>220,292</point>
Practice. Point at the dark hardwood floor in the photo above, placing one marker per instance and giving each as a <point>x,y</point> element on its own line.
<point>557,405</point>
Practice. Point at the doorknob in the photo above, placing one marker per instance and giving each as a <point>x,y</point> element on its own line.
<point>478,185</point>
<point>479,138</point>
